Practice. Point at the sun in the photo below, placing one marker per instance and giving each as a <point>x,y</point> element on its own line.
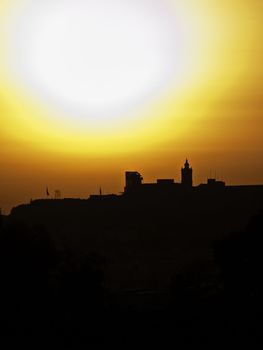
<point>95,60</point>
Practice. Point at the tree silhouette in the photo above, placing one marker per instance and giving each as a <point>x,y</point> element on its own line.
<point>44,289</point>
<point>240,259</point>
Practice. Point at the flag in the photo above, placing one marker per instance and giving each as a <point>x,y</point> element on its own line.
<point>47,191</point>
<point>100,191</point>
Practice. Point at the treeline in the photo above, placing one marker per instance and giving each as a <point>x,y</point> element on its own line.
<point>45,289</point>
<point>49,292</point>
<point>224,300</point>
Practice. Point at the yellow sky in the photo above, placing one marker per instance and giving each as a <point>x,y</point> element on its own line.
<point>211,112</point>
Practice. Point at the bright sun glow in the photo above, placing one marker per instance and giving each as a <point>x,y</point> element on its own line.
<point>95,59</point>
<point>91,88</point>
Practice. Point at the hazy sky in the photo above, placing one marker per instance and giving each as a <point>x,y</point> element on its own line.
<point>89,89</point>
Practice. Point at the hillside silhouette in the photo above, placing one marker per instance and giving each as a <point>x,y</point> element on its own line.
<point>145,236</point>
<point>163,262</point>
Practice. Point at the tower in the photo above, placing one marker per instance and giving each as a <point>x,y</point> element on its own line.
<point>133,180</point>
<point>187,175</point>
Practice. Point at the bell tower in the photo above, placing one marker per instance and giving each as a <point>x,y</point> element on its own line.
<point>187,175</point>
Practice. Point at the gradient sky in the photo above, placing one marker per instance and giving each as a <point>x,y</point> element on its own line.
<point>207,106</point>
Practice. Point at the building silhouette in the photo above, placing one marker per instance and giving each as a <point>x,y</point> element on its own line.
<point>166,191</point>
<point>134,184</point>
<point>133,180</point>
<point>187,175</point>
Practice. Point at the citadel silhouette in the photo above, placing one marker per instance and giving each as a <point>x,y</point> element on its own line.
<point>166,262</point>
<point>134,186</point>
<point>170,194</point>
<point>134,182</point>
<point>164,219</point>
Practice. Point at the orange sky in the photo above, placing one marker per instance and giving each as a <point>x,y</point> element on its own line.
<point>210,112</point>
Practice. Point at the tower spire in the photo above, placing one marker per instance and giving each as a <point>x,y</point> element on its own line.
<point>187,174</point>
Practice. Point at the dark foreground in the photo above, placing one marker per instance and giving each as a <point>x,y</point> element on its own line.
<point>50,295</point>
